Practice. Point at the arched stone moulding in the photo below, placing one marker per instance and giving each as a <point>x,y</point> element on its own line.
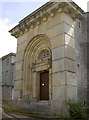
<point>33,66</point>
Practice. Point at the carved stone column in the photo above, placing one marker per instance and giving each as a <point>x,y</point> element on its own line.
<point>34,81</point>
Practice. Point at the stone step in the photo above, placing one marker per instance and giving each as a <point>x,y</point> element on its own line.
<point>35,106</point>
<point>43,103</point>
<point>41,106</point>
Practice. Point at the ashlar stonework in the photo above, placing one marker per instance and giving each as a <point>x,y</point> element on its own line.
<point>45,73</point>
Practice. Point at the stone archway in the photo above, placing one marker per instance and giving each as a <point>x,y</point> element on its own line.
<point>37,59</point>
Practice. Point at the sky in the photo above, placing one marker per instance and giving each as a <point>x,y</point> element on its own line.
<point>11,12</point>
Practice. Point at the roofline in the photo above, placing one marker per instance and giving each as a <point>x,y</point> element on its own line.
<point>33,13</point>
<point>43,10</point>
<point>86,12</point>
<point>10,54</point>
<point>45,5</point>
<point>37,10</point>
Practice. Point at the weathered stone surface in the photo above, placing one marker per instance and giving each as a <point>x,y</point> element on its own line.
<point>59,95</point>
<point>18,75</point>
<point>70,52</point>
<point>58,65</point>
<point>42,28</point>
<point>55,31</point>
<point>17,94</point>
<point>68,29</point>
<point>71,79</point>
<point>7,76</point>
<point>19,56</point>
<point>0,71</point>
<point>63,64</point>
<point>23,38</point>
<point>18,84</point>
<point>56,20</point>
<point>27,36</point>
<point>58,41</point>
<point>68,20</point>
<point>69,65</point>
<point>59,29</point>
<point>6,93</point>
<point>21,47</point>
<point>58,79</point>
<point>69,41</point>
<point>60,109</point>
<point>19,65</point>
<point>58,53</point>
<point>81,49</point>
<point>71,93</point>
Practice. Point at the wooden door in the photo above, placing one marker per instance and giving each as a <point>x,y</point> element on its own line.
<point>44,86</point>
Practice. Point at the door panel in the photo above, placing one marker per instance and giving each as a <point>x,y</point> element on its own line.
<point>44,86</point>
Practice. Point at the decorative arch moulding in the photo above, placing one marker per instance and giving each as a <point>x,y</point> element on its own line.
<point>43,13</point>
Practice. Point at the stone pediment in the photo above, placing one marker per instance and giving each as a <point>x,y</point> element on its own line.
<point>43,13</point>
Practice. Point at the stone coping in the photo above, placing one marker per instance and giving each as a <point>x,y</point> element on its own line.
<point>10,54</point>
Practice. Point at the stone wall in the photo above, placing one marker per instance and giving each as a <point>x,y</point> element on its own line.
<point>81,57</point>
<point>0,81</point>
<point>87,57</point>
<point>8,71</point>
<point>0,71</point>
<point>8,64</point>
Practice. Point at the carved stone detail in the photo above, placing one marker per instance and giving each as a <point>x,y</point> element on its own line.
<point>43,14</point>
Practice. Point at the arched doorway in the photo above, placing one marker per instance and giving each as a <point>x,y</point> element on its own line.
<point>37,69</point>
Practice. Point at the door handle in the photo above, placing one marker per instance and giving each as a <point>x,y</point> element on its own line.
<point>43,84</point>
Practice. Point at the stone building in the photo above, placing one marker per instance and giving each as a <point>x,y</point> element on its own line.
<point>47,59</point>
<point>88,57</point>
<point>0,82</point>
<point>81,42</point>
<point>7,76</point>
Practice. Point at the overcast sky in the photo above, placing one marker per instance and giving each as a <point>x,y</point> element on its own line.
<point>12,12</point>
